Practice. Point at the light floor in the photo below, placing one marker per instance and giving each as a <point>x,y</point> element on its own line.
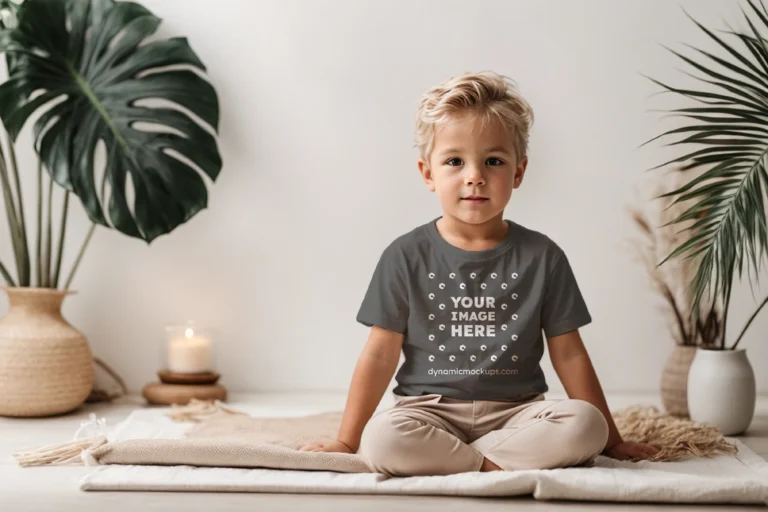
<point>56,488</point>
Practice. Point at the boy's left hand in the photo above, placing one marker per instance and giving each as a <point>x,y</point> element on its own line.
<point>628,450</point>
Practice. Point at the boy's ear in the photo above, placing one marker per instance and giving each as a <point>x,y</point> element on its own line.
<point>520,171</point>
<point>426,174</point>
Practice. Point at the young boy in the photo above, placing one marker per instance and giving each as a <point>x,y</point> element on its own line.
<point>466,297</point>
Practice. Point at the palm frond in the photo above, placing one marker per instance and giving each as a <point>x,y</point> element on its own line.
<point>6,275</point>
<point>730,136</point>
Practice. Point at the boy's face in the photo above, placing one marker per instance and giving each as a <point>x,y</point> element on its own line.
<point>469,162</point>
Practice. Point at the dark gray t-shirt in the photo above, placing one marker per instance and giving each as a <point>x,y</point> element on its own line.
<point>473,320</point>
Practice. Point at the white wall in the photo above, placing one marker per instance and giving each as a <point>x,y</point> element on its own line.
<point>318,100</point>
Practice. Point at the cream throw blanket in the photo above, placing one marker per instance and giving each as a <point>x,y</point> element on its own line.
<point>225,437</point>
<point>228,438</point>
<point>209,454</point>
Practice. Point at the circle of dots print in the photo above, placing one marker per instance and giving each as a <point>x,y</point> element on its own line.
<point>463,286</point>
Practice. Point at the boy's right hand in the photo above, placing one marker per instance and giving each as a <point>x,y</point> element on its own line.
<point>374,371</point>
<point>326,446</point>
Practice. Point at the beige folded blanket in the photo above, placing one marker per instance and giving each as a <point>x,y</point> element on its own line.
<point>226,438</point>
<point>239,440</point>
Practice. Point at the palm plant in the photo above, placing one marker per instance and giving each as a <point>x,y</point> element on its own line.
<point>84,67</point>
<point>730,129</point>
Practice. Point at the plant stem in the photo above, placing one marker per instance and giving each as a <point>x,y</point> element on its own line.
<point>48,238</point>
<point>80,256</point>
<point>673,303</point>
<point>6,275</point>
<point>62,231</point>
<point>725,312</point>
<point>749,322</point>
<point>39,250</point>
<point>22,221</point>
<point>13,221</point>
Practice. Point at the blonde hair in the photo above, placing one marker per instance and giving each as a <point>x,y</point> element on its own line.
<point>487,94</point>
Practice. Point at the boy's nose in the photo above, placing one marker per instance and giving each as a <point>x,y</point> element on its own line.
<point>474,178</point>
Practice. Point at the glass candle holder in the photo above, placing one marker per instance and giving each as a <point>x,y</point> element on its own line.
<point>189,349</point>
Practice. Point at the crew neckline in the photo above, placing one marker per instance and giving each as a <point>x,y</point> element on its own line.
<point>464,254</point>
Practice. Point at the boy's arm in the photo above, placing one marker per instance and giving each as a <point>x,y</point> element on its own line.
<point>373,372</point>
<point>574,368</point>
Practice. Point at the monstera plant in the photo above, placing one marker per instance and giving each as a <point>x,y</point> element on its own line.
<point>84,69</point>
<point>88,74</point>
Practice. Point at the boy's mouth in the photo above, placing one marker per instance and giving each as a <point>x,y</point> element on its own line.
<point>475,199</point>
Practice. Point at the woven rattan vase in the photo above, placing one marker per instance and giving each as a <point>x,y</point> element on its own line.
<point>46,366</point>
<point>674,380</point>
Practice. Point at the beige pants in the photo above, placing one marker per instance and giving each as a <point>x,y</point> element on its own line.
<point>437,435</point>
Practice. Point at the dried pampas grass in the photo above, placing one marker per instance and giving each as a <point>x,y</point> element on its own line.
<point>671,280</point>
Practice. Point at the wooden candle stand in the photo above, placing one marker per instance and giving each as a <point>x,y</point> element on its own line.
<point>180,388</point>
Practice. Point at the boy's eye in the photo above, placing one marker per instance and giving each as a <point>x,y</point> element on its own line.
<point>493,161</point>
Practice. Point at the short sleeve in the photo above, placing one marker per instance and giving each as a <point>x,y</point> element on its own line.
<point>386,301</point>
<point>563,309</point>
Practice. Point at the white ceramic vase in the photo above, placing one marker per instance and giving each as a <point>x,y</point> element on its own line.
<point>722,390</point>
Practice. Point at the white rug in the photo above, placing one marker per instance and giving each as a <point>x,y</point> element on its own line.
<point>722,479</point>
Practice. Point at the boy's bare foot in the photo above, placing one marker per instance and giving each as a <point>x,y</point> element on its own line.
<point>489,466</point>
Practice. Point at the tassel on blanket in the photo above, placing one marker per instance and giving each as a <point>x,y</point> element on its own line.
<point>678,437</point>
<point>76,450</point>
<point>94,433</point>
<point>63,453</point>
<point>196,410</point>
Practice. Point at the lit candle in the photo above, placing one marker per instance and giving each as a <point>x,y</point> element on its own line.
<point>189,354</point>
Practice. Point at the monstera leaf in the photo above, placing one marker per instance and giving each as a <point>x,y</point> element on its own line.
<point>84,67</point>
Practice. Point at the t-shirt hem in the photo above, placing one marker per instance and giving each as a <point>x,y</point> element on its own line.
<point>384,323</point>
<point>568,325</point>
<point>479,396</point>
